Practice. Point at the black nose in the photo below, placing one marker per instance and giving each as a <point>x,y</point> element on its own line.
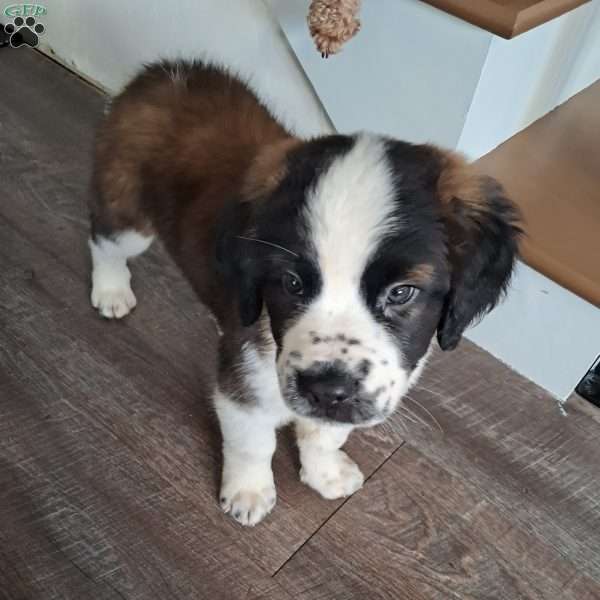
<point>326,390</point>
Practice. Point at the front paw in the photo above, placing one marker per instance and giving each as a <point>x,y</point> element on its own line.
<point>248,506</point>
<point>334,476</point>
<point>113,303</point>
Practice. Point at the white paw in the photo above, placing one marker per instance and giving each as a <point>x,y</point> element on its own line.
<point>113,303</point>
<point>248,506</point>
<point>333,476</point>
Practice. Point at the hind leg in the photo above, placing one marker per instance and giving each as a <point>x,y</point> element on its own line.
<point>111,279</point>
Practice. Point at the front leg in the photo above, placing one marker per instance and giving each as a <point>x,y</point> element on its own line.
<point>247,486</point>
<point>324,467</point>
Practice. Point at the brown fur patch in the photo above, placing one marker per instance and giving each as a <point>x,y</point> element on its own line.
<point>172,156</point>
<point>268,168</point>
<point>458,180</point>
<point>422,273</point>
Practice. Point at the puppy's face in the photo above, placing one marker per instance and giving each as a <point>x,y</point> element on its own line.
<point>359,257</point>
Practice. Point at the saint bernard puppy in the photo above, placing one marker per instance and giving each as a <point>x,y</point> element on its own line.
<point>329,264</point>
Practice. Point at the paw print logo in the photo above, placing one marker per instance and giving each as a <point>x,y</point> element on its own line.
<point>24,32</point>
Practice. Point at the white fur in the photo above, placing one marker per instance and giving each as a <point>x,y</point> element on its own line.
<point>247,486</point>
<point>111,288</point>
<point>261,377</point>
<point>325,467</point>
<point>350,211</point>
<point>348,214</point>
<point>416,374</point>
<point>248,429</point>
<point>176,73</point>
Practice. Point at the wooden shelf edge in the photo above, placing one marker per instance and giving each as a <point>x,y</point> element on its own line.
<point>542,12</point>
<point>574,282</point>
<point>502,20</point>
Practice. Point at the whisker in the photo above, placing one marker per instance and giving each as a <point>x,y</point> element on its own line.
<point>390,428</point>
<point>279,259</point>
<point>249,239</point>
<point>413,417</point>
<point>385,427</point>
<point>427,411</point>
<point>401,423</point>
<point>419,387</point>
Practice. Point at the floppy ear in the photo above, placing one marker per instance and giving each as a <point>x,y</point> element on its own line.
<point>236,261</point>
<point>483,231</point>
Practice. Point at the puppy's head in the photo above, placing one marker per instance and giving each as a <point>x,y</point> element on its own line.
<point>358,251</point>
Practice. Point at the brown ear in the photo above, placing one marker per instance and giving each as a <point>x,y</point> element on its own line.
<point>483,229</point>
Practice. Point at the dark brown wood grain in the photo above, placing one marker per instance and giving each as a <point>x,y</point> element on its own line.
<point>422,533</point>
<point>109,450</point>
<point>81,518</point>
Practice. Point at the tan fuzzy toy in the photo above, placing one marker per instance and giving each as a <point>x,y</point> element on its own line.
<point>332,23</point>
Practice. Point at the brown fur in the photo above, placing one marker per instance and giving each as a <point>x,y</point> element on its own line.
<point>463,191</point>
<point>268,169</point>
<point>458,180</point>
<point>468,201</point>
<point>185,144</point>
<point>421,274</point>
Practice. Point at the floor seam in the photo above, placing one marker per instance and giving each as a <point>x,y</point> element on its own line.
<point>332,515</point>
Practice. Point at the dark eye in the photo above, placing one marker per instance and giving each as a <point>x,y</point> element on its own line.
<point>400,294</point>
<point>292,284</point>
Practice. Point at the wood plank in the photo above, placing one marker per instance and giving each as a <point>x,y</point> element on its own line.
<point>502,504</point>
<point>422,533</point>
<point>81,517</point>
<point>507,435</point>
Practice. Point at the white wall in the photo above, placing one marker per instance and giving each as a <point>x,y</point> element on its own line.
<point>542,331</point>
<point>585,66</point>
<point>419,74</point>
<point>107,41</point>
<point>411,72</point>
<point>524,78</point>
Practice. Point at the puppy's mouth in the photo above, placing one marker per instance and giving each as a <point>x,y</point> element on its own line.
<point>330,391</point>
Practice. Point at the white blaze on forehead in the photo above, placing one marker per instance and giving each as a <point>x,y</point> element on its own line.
<point>350,210</point>
<point>348,213</point>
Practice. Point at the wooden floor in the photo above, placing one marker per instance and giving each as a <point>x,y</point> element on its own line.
<point>109,450</point>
